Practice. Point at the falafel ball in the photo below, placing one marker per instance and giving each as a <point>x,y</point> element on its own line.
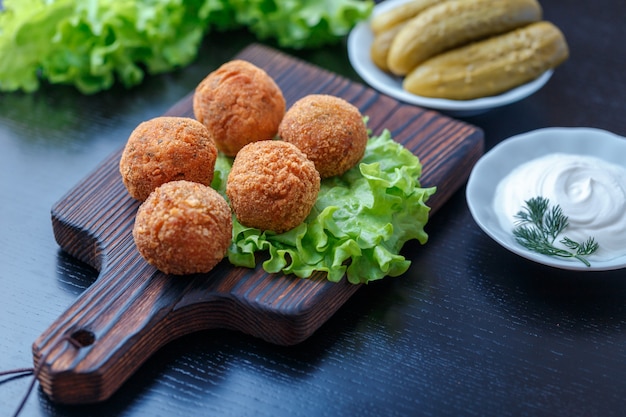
<point>328,129</point>
<point>239,103</point>
<point>272,185</point>
<point>165,149</point>
<point>183,227</point>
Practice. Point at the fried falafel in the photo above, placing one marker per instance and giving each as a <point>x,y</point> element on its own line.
<point>183,227</point>
<point>239,103</point>
<point>272,185</point>
<point>328,129</point>
<point>165,149</point>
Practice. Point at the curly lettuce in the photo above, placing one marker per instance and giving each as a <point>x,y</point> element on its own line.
<point>93,44</point>
<point>357,227</point>
<point>299,24</point>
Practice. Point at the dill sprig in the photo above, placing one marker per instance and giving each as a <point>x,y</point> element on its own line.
<point>538,226</point>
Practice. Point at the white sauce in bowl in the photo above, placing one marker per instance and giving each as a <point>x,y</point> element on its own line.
<point>590,191</point>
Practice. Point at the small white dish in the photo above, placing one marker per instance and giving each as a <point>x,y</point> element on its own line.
<point>512,152</point>
<point>359,41</point>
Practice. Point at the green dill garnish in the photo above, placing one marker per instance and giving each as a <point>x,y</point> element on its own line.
<point>538,226</point>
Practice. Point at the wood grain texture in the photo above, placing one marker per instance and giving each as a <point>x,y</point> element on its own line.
<point>132,309</point>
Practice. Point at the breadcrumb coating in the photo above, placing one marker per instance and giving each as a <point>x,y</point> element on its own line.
<point>166,149</point>
<point>183,227</point>
<point>328,129</point>
<point>272,186</point>
<point>239,103</point>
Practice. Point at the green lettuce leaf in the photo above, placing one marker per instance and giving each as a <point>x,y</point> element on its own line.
<point>357,227</point>
<point>300,24</point>
<point>94,43</point>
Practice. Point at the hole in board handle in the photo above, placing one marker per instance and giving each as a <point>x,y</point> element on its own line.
<point>83,338</point>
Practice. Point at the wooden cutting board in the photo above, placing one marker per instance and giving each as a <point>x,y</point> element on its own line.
<point>132,309</point>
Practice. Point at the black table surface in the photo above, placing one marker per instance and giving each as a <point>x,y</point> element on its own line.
<point>470,329</point>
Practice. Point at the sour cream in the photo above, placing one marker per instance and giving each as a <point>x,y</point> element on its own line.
<point>590,191</point>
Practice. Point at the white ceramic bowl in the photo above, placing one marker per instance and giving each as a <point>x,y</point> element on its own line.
<point>359,41</point>
<point>512,152</point>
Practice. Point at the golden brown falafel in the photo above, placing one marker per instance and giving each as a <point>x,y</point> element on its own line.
<point>272,185</point>
<point>165,149</point>
<point>328,129</point>
<point>183,227</point>
<point>239,103</point>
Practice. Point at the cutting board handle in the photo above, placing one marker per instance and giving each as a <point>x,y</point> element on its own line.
<point>111,329</point>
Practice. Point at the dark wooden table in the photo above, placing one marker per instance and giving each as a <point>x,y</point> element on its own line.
<point>470,329</point>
